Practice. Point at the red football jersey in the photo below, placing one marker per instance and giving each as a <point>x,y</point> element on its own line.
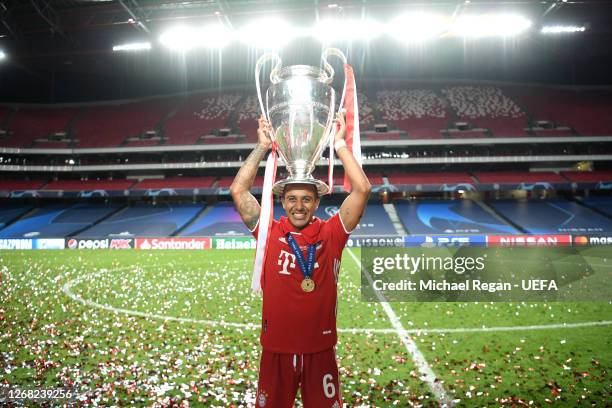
<point>294,321</point>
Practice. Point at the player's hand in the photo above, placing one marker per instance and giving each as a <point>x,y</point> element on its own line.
<point>263,132</point>
<point>340,124</point>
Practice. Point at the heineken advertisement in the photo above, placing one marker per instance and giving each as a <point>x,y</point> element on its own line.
<point>234,243</point>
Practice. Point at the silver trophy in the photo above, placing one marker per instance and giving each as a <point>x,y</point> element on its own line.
<point>300,106</point>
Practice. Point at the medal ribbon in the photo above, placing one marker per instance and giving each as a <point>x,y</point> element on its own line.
<point>306,268</point>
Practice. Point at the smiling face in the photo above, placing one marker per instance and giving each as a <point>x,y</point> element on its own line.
<point>300,202</point>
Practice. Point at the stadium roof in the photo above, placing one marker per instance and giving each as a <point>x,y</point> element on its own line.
<point>61,50</point>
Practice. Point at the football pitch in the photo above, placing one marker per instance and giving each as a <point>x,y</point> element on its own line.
<point>171,328</point>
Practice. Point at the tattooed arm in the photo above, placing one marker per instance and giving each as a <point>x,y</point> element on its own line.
<point>245,202</point>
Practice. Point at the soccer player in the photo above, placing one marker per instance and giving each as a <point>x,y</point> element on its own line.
<point>299,280</point>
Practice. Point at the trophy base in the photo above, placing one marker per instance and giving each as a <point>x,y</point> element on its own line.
<point>322,188</point>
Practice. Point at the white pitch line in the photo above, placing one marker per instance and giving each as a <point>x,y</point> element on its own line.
<point>483,329</point>
<point>68,292</point>
<point>67,289</point>
<point>418,358</point>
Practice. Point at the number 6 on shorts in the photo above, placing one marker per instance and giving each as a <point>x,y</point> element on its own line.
<point>329,389</point>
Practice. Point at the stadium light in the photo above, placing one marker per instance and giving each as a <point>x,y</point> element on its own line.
<point>216,36</point>
<point>132,47</point>
<point>269,33</point>
<point>415,27</point>
<point>2,56</point>
<point>346,30</point>
<point>185,38</point>
<point>558,29</point>
<point>490,25</point>
<point>180,38</point>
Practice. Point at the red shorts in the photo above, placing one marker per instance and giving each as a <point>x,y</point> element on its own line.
<point>315,374</point>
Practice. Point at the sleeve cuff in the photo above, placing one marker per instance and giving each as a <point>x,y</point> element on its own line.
<point>255,227</point>
<point>343,227</point>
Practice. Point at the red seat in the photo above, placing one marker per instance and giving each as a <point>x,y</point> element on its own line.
<point>515,177</point>
<point>83,185</point>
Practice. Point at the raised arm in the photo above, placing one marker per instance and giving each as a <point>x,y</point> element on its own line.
<point>245,202</point>
<point>354,205</point>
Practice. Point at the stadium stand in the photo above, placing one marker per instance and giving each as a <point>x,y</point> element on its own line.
<point>588,176</point>
<point>220,220</point>
<point>111,125</point>
<point>429,178</point>
<point>246,122</point>
<point>57,221</point>
<point>199,115</point>
<point>376,178</point>
<point>175,182</point>
<point>18,185</point>
<point>10,212</point>
<point>88,185</point>
<point>427,112</point>
<point>602,204</point>
<point>375,221</point>
<point>449,217</point>
<point>4,112</point>
<point>486,108</point>
<point>226,181</point>
<point>366,111</point>
<point>552,216</point>
<point>588,112</point>
<point>145,220</point>
<point>418,112</point>
<point>517,177</point>
<point>138,142</point>
<point>44,127</point>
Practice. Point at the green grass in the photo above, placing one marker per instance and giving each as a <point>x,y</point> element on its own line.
<point>50,339</point>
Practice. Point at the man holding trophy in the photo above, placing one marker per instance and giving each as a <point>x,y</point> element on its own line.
<point>298,257</point>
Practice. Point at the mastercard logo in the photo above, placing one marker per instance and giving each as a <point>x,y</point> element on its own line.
<point>582,240</point>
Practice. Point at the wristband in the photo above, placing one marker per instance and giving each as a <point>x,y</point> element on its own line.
<point>339,144</point>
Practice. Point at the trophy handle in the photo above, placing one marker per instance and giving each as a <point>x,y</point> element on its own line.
<point>336,53</point>
<point>273,76</point>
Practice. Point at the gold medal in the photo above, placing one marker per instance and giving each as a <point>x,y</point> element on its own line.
<point>308,285</point>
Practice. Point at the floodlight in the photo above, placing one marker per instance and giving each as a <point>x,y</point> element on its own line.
<point>558,29</point>
<point>414,27</point>
<point>132,46</point>
<point>269,33</point>
<point>185,38</point>
<point>216,36</point>
<point>488,25</point>
<point>181,38</point>
<point>2,55</point>
<point>346,30</point>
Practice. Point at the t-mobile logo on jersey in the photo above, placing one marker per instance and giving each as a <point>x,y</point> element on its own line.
<point>285,260</point>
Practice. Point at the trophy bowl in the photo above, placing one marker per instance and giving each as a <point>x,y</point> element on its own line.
<point>300,106</point>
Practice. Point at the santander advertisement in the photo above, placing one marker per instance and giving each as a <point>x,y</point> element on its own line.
<point>173,243</point>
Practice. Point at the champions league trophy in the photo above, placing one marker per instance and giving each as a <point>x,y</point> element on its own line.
<point>300,106</point>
